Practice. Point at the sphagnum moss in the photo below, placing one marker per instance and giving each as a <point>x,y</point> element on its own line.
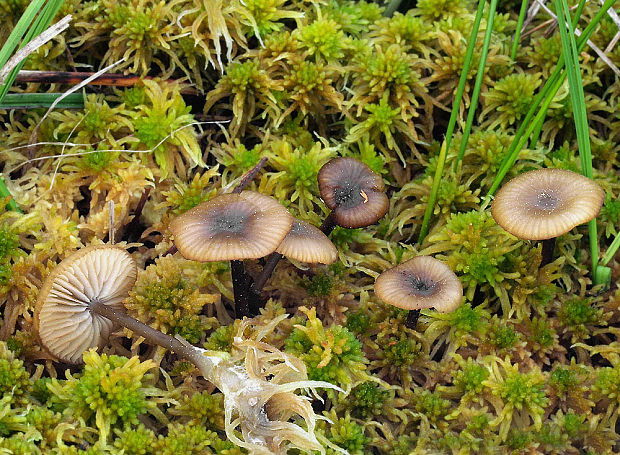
<point>529,361</point>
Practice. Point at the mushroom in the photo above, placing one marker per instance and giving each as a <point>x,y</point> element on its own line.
<point>247,225</point>
<point>304,243</point>
<point>354,193</point>
<point>64,319</point>
<point>81,299</point>
<point>545,204</point>
<point>233,226</point>
<point>421,282</point>
<point>307,243</point>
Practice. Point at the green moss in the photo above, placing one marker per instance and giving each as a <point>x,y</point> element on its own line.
<point>348,435</point>
<point>333,354</point>
<point>221,339</point>
<point>471,377</point>
<point>110,389</point>
<point>366,400</point>
<point>138,441</point>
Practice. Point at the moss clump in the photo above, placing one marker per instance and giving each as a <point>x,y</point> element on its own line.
<point>111,389</point>
<point>332,354</point>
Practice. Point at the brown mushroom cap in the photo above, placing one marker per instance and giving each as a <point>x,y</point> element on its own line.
<point>546,203</point>
<point>353,191</point>
<point>63,321</point>
<point>421,282</point>
<point>247,225</point>
<point>307,243</point>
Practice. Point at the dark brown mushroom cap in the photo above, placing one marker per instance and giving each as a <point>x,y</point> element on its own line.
<point>247,225</point>
<point>63,321</point>
<point>353,191</point>
<point>546,203</point>
<point>421,282</point>
<point>307,243</point>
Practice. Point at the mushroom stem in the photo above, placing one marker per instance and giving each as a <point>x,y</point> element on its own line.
<point>249,175</point>
<point>150,334</point>
<point>173,249</point>
<point>412,319</point>
<point>328,224</point>
<point>241,287</point>
<point>270,265</point>
<point>548,245</point>
<point>132,229</point>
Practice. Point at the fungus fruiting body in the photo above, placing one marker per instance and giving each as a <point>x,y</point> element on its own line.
<point>64,320</point>
<point>546,203</point>
<point>307,243</point>
<point>247,225</point>
<point>304,243</point>
<point>234,226</point>
<point>421,282</point>
<point>354,193</point>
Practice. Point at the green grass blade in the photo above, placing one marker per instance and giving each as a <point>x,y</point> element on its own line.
<point>517,38</point>
<point>41,22</point>
<point>441,162</point>
<point>478,84</point>
<point>20,30</point>
<point>612,250</point>
<point>34,100</point>
<point>578,103</point>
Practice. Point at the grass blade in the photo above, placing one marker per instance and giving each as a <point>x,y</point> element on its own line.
<point>578,103</point>
<point>35,100</point>
<point>478,84</point>
<point>552,85</point>
<point>441,162</point>
<point>515,42</point>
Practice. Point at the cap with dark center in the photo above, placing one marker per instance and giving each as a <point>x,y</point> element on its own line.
<point>353,191</point>
<point>307,243</point>
<point>63,320</point>
<point>247,225</point>
<point>546,203</point>
<point>422,282</point>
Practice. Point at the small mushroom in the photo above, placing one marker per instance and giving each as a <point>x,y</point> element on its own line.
<point>247,225</point>
<point>354,193</point>
<point>545,204</point>
<point>307,243</point>
<point>304,243</point>
<point>232,227</point>
<point>63,318</point>
<point>421,282</point>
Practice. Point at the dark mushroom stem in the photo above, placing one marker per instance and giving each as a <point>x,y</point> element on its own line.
<point>133,227</point>
<point>412,319</point>
<point>150,334</point>
<point>329,224</point>
<point>270,265</point>
<point>241,286</point>
<point>548,245</point>
<point>241,280</point>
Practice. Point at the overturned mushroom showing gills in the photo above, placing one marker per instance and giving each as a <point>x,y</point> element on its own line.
<point>259,382</point>
<point>63,319</point>
<point>354,193</point>
<point>545,204</point>
<point>421,282</point>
